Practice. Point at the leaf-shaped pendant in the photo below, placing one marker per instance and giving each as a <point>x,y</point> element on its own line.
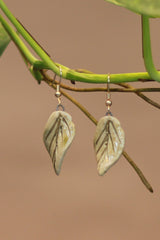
<point>109,143</point>
<point>58,136</point>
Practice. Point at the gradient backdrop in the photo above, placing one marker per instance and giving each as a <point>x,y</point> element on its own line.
<point>35,204</point>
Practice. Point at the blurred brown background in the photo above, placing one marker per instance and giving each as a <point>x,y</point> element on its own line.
<point>35,204</point>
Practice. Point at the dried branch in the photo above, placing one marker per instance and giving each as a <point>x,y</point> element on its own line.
<point>138,171</point>
<point>141,95</point>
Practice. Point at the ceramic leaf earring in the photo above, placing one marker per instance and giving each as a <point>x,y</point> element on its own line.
<point>59,132</point>
<point>109,138</point>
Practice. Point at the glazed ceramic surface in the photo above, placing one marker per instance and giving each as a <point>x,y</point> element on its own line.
<point>58,136</point>
<point>109,143</point>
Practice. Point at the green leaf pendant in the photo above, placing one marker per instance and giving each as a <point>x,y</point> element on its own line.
<point>109,143</point>
<point>58,136</point>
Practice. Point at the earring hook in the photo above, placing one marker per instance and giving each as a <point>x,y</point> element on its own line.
<point>108,86</point>
<point>58,92</point>
<point>108,101</point>
<point>60,79</point>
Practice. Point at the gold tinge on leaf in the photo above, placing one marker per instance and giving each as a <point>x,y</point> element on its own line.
<point>58,136</point>
<point>109,143</point>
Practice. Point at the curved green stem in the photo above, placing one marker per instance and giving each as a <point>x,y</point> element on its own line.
<point>41,53</point>
<point>66,72</point>
<point>18,42</point>
<point>102,78</point>
<point>147,51</point>
<point>28,57</point>
<point>87,77</point>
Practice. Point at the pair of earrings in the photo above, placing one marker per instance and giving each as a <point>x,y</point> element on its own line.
<point>59,133</point>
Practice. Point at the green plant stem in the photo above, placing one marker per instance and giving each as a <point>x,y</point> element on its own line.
<point>41,53</point>
<point>66,72</point>
<point>28,57</point>
<point>102,78</point>
<point>128,88</point>
<point>147,52</point>
<point>18,42</point>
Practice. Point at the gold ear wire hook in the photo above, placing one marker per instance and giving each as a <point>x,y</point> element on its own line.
<point>58,93</point>
<point>108,87</point>
<point>108,101</point>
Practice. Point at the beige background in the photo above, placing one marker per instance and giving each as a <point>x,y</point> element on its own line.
<point>35,204</point>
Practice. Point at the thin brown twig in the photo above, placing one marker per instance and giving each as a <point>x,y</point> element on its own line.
<point>141,95</point>
<point>81,107</point>
<point>138,171</point>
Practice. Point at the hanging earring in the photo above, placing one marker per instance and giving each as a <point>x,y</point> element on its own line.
<point>59,132</point>
<point>109,138</point>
